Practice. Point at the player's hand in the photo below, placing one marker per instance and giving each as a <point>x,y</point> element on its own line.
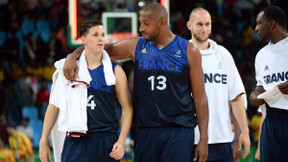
<point>117,151</point>
<point>201,151</point>
<point>244,139</point>
<point>236,152</point>
<point>254,100</point>
<point>44,151</point>
<point>257,154</point>
<point>283,87</point>
<point>70,69</point>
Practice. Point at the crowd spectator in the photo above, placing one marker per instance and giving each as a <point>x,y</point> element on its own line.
<point>20,144</point>
<point>24,128</point>
<point>6,155</point>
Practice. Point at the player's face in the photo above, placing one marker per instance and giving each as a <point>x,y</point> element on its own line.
<point>149,26</point>
<point>94,40</point>
<point>200,26</point>
<point>263,28</point>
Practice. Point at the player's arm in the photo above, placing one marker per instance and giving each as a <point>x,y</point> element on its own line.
<point>200,100</point>
<point>50,118</point>
<point>123,95</point>
<point>283,87</point>
<point>124,49</point>
<point>253,97</point>
<point>257,154</point>
<point>238,109</point>
<point>236,152</point>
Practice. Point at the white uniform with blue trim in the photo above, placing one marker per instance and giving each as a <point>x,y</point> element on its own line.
<point>222,84</point>
<point>271,66</point>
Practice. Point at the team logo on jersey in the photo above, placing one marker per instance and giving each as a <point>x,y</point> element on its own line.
<point>160,65</point>
<point>215,78</point>
<point>97,85</point>
<point>219,65</point>
<point>266,68</point>
<point>178,53</point>
<point>143,50</point>
<point>276,77</point>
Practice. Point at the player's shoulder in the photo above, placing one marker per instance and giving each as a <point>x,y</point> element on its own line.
<point>263,50</point>
<point>262,53</point>
<point>117,68</point>
<point>191,46</point>
<point>220,50</point>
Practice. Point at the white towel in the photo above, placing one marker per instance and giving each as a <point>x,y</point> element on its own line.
<point>71,98</point>
<point>108,70</point>
<point>274,98</point>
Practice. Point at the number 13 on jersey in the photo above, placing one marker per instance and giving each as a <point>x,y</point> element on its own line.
<point>158,82</point>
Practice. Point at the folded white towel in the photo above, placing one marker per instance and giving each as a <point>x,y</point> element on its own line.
<point>71,98</point>
<point>108,70</point>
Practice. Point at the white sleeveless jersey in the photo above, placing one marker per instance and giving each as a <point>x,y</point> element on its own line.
<point>222,84</point>
<point>271,66</point>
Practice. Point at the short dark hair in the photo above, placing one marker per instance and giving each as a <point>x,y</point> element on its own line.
<point>277,14</point>
<point>87,25</point>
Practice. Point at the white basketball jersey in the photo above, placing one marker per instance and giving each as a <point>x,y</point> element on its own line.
<point>222,84</point>
<point>271,65</point>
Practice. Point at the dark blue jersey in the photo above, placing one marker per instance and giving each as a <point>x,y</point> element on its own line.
<point>101,103</point>
<point>162,91</point>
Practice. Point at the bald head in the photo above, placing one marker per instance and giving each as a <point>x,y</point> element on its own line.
<point>156,10</point>
<point>198,11</point>
<point>200,26</point>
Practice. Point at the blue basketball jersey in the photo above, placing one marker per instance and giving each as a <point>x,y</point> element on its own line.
<point>162,91</point>
<point>101,103</point>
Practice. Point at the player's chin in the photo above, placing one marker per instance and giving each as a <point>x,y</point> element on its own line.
<point>146,37</point>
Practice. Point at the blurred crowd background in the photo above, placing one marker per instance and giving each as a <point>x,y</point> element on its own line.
<point>33,34</point>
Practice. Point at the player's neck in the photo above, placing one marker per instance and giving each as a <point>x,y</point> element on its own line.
<point>164,39</point>
<point>278,37</point>
<point>93,59</point>
<point>201,45</point>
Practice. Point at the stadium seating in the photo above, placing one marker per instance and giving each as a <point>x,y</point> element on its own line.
<point>30,112</point>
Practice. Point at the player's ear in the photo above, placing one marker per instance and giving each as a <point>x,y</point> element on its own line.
<point>163,22</point>
<point>188,25</point>
<point>83,38</point>
<point>272,24</point>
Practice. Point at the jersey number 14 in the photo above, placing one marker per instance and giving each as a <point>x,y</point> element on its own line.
<point>91,103</point>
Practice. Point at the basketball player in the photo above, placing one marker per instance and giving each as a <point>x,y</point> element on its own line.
<point>167,69</point>
<point>272,71</point>
<point>101,143</point>
<point>224,88</point>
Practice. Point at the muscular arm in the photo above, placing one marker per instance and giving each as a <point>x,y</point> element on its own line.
<point>200,99</point>
<point>124,49</point>
<point>49,122</point>
<point>238,110</point>
<point>123,95</point>
<point>253,97</point>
